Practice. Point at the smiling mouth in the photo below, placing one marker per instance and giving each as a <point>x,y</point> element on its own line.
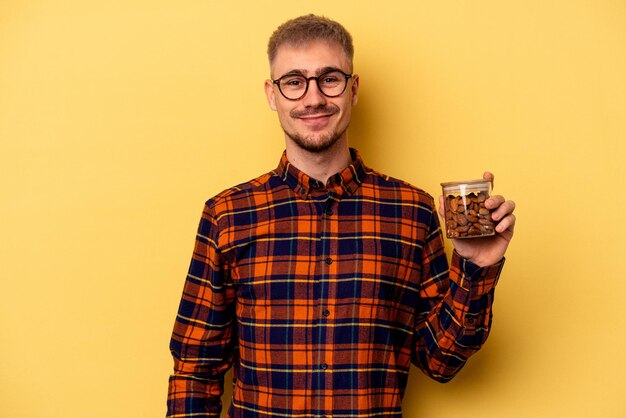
<point>314,113</point>
<point>316,122</point>
<point>316,117</point>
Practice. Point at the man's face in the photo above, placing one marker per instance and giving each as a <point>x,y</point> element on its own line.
<point>315,122</point>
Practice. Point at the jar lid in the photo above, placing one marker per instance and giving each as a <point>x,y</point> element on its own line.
<point>457,183</point>
<point>468,186</point>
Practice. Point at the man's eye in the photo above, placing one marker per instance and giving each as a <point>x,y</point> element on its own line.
<point>293,82</point>
<point>330,79</point>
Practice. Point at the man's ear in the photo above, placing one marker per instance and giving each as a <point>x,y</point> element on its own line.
<point>355,89</point>
<point>270,93</point>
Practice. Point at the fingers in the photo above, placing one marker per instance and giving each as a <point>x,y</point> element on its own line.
<point>507,223</point>
<point>503,212</point>
<point>500,207</point>
<point>442,212</point>
<point>488,175</point>
<point>499,203</point>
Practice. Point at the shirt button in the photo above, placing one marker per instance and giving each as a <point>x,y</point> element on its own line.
<point>469,320</point>
<point>329,260</point>
<point>324,366</point>
<point>325,312</point>
<point>329,212</point>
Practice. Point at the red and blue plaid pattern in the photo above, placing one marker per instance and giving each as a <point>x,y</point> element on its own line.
<point>320,297</point>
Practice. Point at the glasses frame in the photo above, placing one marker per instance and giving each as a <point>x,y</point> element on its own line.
<point>317,82</point>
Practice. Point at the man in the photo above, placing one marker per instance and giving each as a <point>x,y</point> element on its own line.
<point>322,280</point>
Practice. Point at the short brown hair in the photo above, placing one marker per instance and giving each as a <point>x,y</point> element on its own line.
<point>304,29</point>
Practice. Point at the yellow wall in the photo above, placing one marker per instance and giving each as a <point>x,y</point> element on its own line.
<point>118,119</point>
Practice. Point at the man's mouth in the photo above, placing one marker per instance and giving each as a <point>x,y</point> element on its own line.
<point>316,122</point>
<point>320,116</point>
<point>318,113</point>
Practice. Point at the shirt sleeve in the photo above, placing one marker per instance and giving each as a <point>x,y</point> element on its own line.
<point>455,308</point>
<point>202,342</point>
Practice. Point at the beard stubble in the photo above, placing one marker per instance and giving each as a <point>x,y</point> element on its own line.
<point>314,143</point>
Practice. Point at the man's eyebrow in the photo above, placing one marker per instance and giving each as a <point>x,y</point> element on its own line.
<point>294,72</point>
<point>328,70</point>
<point>304,73</point>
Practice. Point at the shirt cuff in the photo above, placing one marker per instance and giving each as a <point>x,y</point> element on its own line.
<point>473,278</point>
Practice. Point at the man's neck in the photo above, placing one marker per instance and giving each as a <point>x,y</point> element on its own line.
<point>320,165</point>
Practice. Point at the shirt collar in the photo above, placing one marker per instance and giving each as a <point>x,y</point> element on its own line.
<point>346,182</point>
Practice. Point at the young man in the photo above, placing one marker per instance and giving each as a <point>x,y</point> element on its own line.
<point>322,280</point>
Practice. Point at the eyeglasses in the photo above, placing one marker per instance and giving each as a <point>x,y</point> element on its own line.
<point>331,83</point>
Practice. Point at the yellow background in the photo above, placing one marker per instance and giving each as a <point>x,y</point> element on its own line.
<point>119,119</point>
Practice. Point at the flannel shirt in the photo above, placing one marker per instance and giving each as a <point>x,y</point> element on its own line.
<point>320,297</point>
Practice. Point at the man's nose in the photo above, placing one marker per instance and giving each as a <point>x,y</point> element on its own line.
<point>314,95</point>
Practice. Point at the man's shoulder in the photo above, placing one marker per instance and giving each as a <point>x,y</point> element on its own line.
<point>243,194</point>
<point>397,188</point>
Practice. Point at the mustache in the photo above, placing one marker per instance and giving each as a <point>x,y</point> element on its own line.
<point>323,110</point>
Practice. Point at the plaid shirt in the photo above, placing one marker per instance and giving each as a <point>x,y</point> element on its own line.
<point>320,297</point>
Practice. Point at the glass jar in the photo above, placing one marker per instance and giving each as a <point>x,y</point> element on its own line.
<point>465,213</point>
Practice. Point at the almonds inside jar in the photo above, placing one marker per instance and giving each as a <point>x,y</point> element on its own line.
<point>465,213</point>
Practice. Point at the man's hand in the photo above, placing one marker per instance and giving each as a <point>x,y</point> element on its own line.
<point>488,250</point>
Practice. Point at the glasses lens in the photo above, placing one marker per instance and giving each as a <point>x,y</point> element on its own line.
<point>332,83</point>
<point>292,86</point>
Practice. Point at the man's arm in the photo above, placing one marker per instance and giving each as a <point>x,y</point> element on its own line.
<point>202,343</point>
<point>454,315</point>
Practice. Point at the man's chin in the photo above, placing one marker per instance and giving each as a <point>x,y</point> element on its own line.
<point>315,143</point>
